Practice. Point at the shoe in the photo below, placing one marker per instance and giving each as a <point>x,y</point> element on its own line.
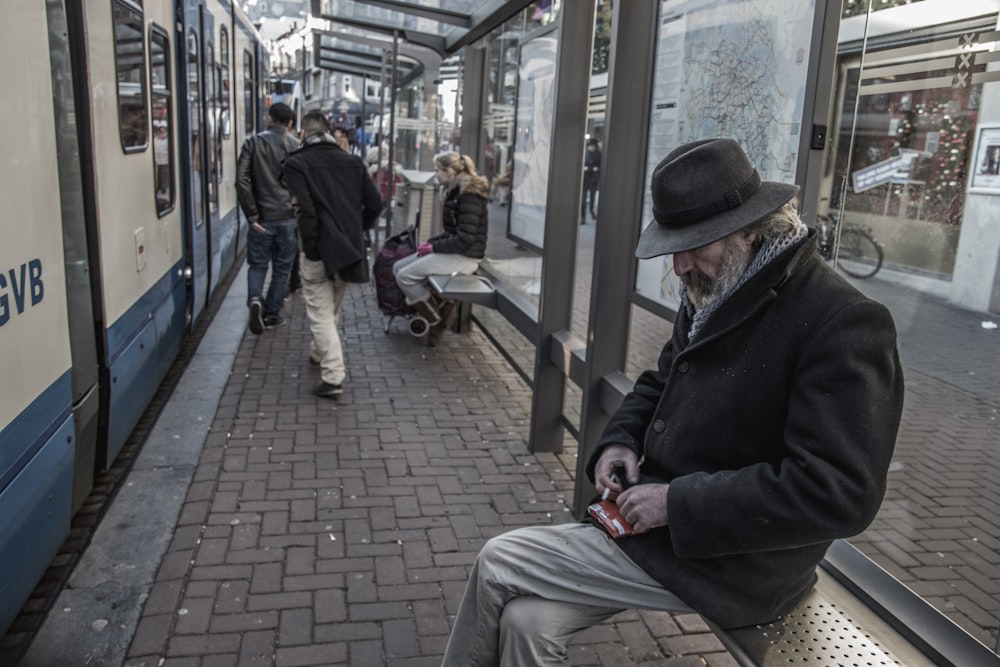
<point>256,320</point>
<point>327,390</point>
<point>427,311</point>
<point>274,321</point>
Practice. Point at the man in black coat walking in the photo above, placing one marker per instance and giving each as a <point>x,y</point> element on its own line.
<point>764,434</point>
<point>335,203</point>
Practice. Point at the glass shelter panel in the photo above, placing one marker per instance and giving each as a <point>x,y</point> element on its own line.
<point>727,69</point>
<point>916,111</point>
<point>520,79</point>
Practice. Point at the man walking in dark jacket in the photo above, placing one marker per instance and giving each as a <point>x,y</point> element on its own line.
<point>764,434</point>
<point>336,201</point>
<point>268,207</point>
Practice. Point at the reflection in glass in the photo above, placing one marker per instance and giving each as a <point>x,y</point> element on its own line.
<point>195,116</point>
<point>211,129</point>
<point>248,108</point>
<point>159,74</point>
<point>130,61</point>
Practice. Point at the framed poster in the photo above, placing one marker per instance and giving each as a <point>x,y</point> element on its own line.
<point>986,163</point>
<point>727,68</point>
<point>536,79</point>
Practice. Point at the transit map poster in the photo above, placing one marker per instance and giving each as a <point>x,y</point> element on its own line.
<point>726,68</point>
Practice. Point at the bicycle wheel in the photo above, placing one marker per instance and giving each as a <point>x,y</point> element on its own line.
<point>859,255</point>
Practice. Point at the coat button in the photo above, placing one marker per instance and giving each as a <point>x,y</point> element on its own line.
<point>659,426</point>
<point>683,367</point>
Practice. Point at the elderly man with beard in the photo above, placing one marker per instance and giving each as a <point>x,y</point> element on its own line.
<point>764,434</point>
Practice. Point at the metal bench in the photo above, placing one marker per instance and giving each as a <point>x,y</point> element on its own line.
<point>470,288</point>
<point>857,614</point>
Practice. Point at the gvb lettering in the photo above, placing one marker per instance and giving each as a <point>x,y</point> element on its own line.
<point>20,287</point>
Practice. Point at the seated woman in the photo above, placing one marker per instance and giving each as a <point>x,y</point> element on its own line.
<point>458,249</point>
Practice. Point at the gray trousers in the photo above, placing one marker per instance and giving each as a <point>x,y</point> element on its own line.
<point>411,272</point>
<point>533,589</point>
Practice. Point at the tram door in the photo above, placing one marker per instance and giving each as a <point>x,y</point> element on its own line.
<point>77,257</point>
<point>202,202</point>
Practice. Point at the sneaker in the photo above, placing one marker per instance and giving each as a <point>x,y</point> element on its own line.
<point>256,320</point>
<point>274,321</point>
<point>327,390</point>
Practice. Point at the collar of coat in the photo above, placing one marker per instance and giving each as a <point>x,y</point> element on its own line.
<point>752,295</point>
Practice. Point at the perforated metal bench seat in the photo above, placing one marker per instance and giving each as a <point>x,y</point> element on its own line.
<point>829,627</point>
<point>464,287</point>
<point>858,615</point>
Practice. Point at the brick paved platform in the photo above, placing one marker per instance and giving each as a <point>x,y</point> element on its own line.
<point>264,526</point>
<point>320,532</point>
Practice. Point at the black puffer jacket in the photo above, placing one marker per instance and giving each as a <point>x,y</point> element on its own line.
<point>262,193</point>
<point>465,220</point>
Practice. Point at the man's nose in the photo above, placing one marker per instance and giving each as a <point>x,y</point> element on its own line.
<point>682,262</point>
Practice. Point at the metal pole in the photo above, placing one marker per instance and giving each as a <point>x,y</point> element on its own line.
<point>391,190</point>
<point>364,114</point>
<point>381,138</point>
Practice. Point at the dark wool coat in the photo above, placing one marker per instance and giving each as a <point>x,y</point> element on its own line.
<point>335,202</point>
<point>465,221</point>
<point>774,428</point>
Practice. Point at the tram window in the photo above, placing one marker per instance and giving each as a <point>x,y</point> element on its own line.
<point>163,127</point>
<point>224,121</point>
<point>194,94</point>
<point>211,130</point>
<point>248,92</point>
<point>130,61</point>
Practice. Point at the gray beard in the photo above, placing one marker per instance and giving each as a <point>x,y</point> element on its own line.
<point>704,291</point>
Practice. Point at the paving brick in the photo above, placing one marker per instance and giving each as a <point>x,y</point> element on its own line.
<point>310,656</point>
<point>411,472</point>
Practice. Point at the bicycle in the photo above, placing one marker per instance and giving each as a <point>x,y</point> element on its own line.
<point>858,253</point>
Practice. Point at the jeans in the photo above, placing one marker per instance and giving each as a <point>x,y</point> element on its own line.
<point>276,246</point>
<point>533,589</point>
<point>324,298</point>
<point>411,272</point>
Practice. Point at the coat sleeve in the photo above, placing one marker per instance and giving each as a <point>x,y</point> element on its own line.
<point>305,209</point>
<point>244,181</point>
<point>629,423</point>
<point>844,408</point>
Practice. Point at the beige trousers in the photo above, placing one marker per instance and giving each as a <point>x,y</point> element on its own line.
<point>532,589</point>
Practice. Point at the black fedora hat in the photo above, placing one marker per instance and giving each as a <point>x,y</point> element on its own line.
<point>704,191</point>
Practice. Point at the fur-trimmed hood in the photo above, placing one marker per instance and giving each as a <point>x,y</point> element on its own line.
<point>477,185</point>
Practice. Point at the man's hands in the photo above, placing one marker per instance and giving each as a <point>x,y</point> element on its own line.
<point>612,457</point>
<point>643,505</point>
<point>258,227</point>
<point>425,249</point>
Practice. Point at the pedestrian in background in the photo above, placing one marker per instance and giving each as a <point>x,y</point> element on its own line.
<point>591,174</point>
<point>335,203</point>
<point>265,201</point>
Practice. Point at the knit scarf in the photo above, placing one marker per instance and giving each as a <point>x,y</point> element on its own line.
<point>765,255</point>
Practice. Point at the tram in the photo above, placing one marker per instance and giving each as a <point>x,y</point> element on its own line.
<point>118,173</point>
